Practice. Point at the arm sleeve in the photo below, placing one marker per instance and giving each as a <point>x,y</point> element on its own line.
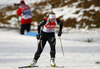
<point>42,23</point>
<point>60,24</point>
<point>19,12</point>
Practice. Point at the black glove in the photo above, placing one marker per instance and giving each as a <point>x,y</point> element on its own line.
<point>59,33</point>
<point>38,36</point>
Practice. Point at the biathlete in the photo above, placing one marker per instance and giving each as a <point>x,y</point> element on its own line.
<point>46,30</point>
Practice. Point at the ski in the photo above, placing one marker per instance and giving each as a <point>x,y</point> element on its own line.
<point>38,66</point>
<point>56,66</point>
<point>27,66</point>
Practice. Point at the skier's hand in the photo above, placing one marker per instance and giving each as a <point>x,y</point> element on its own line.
<point>59,33</point>
<point>38,36</point>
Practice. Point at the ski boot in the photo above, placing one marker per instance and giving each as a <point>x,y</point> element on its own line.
<point>33,63</point>
<point>52,62</point>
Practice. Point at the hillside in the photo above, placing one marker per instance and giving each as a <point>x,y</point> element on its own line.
<point>73,13</point>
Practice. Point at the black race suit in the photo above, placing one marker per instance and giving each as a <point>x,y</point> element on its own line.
<point>44,37</point>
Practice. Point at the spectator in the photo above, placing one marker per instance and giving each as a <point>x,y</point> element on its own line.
<point>25,13</point>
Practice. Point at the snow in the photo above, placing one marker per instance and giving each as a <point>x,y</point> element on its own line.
<point>13,20</point>
<point>69,12</point>
<point>17,1</point>
<point>18,50</point>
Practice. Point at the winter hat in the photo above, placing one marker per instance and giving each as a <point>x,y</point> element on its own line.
<point>22,2</point>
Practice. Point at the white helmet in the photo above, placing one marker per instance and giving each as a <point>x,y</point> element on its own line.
<point>52,16</point>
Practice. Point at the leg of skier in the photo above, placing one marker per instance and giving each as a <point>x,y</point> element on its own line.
<point>22,29</point>
<point>41,45</point>
<point>28,27</point>
<point>52,42</point>
<point>38,52</point>
<point>40,49</point>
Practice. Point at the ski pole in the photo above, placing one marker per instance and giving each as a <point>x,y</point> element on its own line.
<point>61,46</point>
<point>37,44</point>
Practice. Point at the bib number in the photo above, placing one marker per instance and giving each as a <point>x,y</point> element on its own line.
<point>49,30</point>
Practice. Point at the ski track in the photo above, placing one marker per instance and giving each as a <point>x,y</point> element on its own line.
<point>18,50</point>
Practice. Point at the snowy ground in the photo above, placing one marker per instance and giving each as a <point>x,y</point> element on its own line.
<point>18,50</point>
<point>17,1</point>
